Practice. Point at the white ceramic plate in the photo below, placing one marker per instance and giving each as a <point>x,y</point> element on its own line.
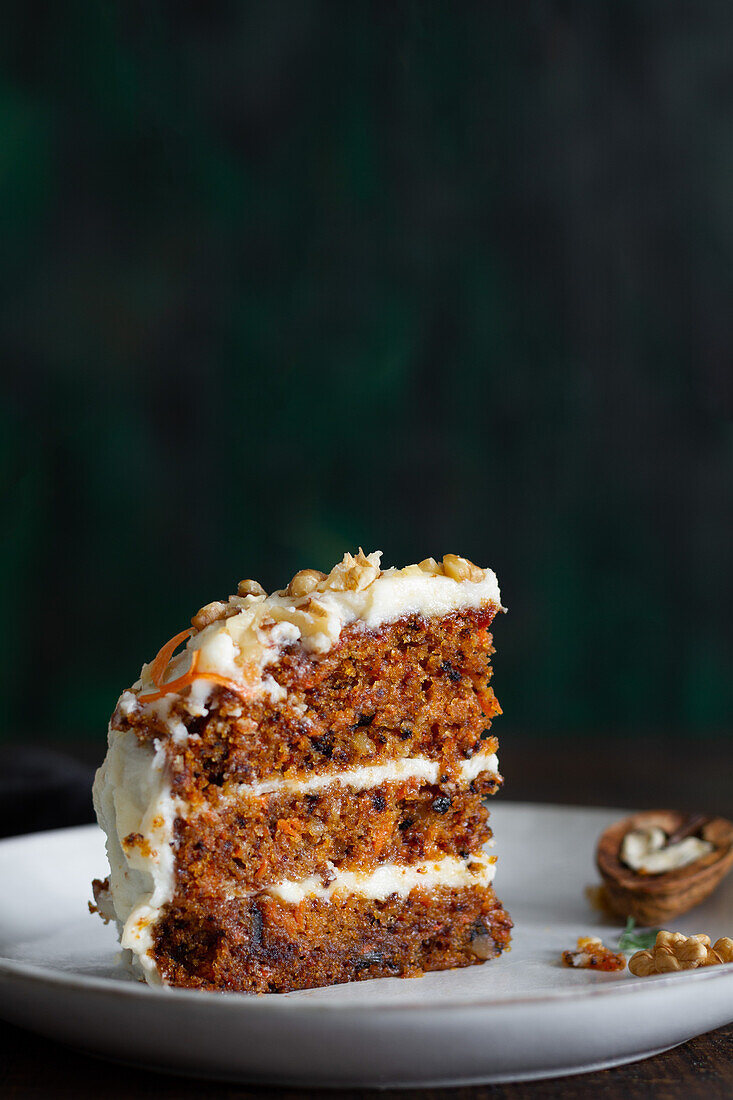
<point>521,1016</point>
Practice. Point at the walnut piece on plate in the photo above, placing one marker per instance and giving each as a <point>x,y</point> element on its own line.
<point>675,951</point>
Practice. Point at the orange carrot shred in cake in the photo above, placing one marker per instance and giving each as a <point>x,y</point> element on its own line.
<point>175,685</point>
<point>187,678</point>
<point>308,784</point>
<point>160,663</point>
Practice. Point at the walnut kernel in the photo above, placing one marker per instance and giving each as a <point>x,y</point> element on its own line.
<point>210,613</point>
<point>693,953</point>
<point>354,573</point>
<point>304,582</point>
<point>430,565</point>
<point>642,964</point>
<point>668,939</point>
<point>461,569</point>
<point>724,949</point>
<point>483,946</point>
<point>250,588</point>
<point>675,951</point>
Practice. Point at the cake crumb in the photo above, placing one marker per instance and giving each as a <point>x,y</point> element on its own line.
<point>591,954</point>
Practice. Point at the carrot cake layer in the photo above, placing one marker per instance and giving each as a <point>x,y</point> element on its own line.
<point>412,688</point>
<point>267,945</point>
<point>251,842</point>
<point>337,731</point>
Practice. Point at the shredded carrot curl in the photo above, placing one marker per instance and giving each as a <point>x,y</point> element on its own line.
<point>161,661</point>
<point>178,684</point>
<point>187,678</point>
<point>239,689</point>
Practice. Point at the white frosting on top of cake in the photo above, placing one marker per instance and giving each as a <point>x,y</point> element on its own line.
<point>391,878</point>
<point>237,640</point>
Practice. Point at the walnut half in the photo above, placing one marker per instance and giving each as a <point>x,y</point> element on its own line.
<point>675,951</point>
<point>656,895</point>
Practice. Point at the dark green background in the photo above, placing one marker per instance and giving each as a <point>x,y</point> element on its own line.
<point>283,279</point>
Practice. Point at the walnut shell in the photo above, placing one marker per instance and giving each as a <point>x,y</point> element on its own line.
<point>657,899</point>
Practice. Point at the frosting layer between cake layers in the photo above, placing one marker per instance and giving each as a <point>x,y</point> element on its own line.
<point>392,878</point>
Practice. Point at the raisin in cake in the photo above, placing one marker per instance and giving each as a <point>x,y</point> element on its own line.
<point>296,798</point>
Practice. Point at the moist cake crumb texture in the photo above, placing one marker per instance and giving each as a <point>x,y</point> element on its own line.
<point>294,789</point>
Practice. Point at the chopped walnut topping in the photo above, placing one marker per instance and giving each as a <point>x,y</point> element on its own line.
<point>591,954</point>
<point>461,569</point>
<point>317,610</point>
<point>483,946</point>
<point>305,581</point>
<point>675,951</point>
<point>430,565</point>
<point>354,573</point>
<point>250,588</point>
<point>211,613</point>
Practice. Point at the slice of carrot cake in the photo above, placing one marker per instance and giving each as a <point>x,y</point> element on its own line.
<point>295,799</point>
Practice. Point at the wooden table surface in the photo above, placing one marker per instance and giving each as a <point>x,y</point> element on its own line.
<point>642,773</point>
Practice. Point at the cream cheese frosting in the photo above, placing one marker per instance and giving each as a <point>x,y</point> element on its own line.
<point>391,878</point>
<point>372,775</point>
<point>248,632</point>
<point>137,811</point>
